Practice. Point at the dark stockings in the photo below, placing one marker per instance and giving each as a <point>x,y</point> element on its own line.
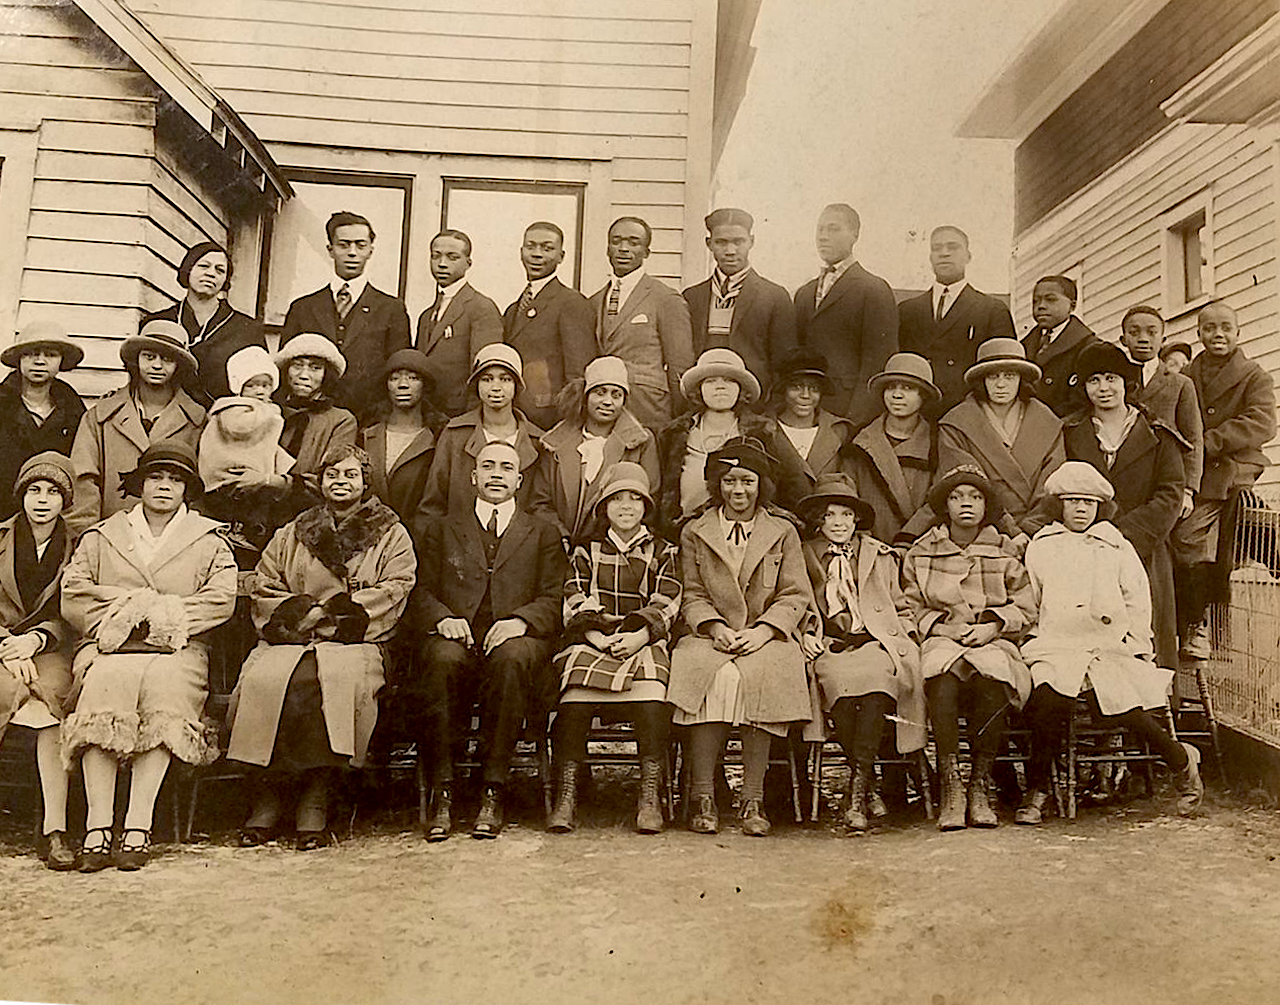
<point>988,705</point>
<point>859,725</point>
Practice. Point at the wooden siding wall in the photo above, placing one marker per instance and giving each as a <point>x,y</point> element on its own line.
<point>112,209</point>
<point>1113,228</point>
<point>1118,108</point>
<point>585,80</point>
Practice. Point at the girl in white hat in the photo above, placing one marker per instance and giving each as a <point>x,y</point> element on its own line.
<point>1094,636</point>
<point>596,432</point>
<point>621,599</point>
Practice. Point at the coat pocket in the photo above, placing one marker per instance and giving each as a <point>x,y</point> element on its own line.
<point>769,567</point>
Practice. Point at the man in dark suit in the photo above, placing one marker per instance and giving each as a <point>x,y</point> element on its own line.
<point>551,325</point>
<point>366,324</point>
<point>490,582</point>
<point>848,315</point>
<point>947,323</point>
<point>644,323</point>
<point>737,308</point>
<point>460,321</point>
<point>1056,342</point>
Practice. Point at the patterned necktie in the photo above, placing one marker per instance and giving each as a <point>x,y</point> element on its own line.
<point>942,306</point>
<point>615,293</point>
<point>526,298</point>
<point>823,277</point>
<point>342,300</point>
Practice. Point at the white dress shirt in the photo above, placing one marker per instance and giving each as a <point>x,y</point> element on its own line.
<point>1052,334</point>
<point>505,510</point>
<point>953,293</point>
<point>354,286</point>
<point>826,279</point>
<point>626,286</point>
<point>446,294</point>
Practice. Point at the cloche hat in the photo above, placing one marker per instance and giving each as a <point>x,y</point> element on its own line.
<point>720,363</point>
<point>166,337</point>
<point>1001,354</point>
<point>910,368</point>
<point>43,335</point>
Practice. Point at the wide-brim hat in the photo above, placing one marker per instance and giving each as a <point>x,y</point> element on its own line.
<point>720,363</point>
<point>966,474</point>
<point>313,345</point>
<point>498,354</point>
<point>166,337</point>
<point>626,476</point>
<point>801,361</point>
<point>835,488</point>
<point>1002,354</point>
<point>410,359</point>
<point>907,367</point>
<point>50,466</point>
<point>44,335</point>
<point>169,454</point>
<point>1103,357</point>
<point>1079,480</point>
<point>740,452</point>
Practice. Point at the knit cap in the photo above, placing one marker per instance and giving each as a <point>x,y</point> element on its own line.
<point>251,361</point>
<point>49,466</point>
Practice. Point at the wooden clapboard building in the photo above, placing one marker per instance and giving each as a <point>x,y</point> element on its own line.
<point>131,130</point>
<point>1148,137</point>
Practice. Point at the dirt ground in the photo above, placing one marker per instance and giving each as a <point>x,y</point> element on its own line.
<point>1127,904</point>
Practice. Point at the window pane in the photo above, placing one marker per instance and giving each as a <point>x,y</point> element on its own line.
<point>1193,263</point>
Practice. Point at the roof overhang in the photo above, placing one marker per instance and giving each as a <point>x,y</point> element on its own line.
<point>1243,87</point>
<point>735,25</point>
<point>190,93</point>
<point>1053,63</point>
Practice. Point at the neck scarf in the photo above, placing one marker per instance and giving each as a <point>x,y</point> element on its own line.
<point>841,589</point>
<point>34,574</point>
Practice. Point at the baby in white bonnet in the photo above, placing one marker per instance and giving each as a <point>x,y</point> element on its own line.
<point>241,441</point>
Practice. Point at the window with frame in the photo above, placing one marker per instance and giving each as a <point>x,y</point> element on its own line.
<point>1188,254</point>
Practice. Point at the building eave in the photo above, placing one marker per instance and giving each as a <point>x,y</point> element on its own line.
<point>735,26</point>
<point>1243,87</point>
<point>1052,64</point>
<point>190,93</point>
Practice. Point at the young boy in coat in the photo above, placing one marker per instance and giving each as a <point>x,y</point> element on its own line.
<point>1093,636</point>
<point>1238,406</point>
<point>490,580</point>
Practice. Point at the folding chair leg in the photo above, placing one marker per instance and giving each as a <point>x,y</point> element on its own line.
<point>1072,767</point>
<point>420,778</point>
<point>544,775</point>
<point>1202,686</point>
<point>795,784</point>
<point>816,780</point>
<point>191,810</point>
<point>920,776</point>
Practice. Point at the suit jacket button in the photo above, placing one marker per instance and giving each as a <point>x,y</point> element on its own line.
<point>1048,380</point>
<point>893,631</point>
<point>1210,409</point>
<point>1105,619</point>
<point>951,362</point>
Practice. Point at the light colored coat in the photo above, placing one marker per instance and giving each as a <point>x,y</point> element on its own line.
<point>379,580</point>
<point>1095,618</point>
<point>108,444</point>
<point>652,335</point>
<point>771,589</point>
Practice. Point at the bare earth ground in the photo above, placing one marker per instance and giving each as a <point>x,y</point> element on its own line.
<point>1127,904</point>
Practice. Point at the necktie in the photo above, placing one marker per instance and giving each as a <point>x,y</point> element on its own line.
<point>492,529</point>
<point>615,293</point>
<point>526,298</point>
<point>823,278</point>
<point>343,300</point>
<point>737,534</point>
<point>435,307</point>
<point>942,306</point>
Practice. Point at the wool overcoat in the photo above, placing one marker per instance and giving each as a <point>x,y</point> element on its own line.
<point>23,438</point>
<point>1238,404</point>
<point>798,475</point>
<point>772,589</point>
<point>403,486</point>
<point>1172,399</point>
<point>1058,386</point>
<point>894,477</point>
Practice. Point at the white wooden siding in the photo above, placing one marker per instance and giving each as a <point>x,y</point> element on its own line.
<point>1112,226</point>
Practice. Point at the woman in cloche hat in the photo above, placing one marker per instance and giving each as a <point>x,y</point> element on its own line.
<point>596,431</point>
<point>865,661</point>
<point>745,594</point>
<point>310,367</point>
<point>38,410</point>
<point>621,599</point>
<point>152,408</point>
<point>972,603</point>
<point>893,459</point>
<point>141,590</point>
<point>497,377</point>
<point>35,651</point>
<point>1093,639</point>
<point>1001,428</point>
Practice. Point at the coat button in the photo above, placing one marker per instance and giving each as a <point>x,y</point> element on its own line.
<point>1048,380</point>
<point>893,631</point>
<point>1105,620</point>
<point>902,650</point>
<point>1210,409</point>
<point>951,362</point>
<point>879,608</point>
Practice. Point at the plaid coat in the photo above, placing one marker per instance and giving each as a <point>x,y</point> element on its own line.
<point>609,590</point>
<point>949,588</point>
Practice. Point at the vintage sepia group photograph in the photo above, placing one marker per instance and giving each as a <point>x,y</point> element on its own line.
<point>638,502</point>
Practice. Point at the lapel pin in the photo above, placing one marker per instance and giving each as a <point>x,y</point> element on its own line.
<point>448,331</point>
<point>533,312</point>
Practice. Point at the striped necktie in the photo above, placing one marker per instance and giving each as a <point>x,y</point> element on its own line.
<point>824,281</point>
<point>942,306</point>
<point>615,294</point>
<point>526,298</point>
<point>342,300</point>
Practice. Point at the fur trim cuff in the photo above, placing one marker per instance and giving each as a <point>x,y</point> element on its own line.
<point>116,733</point>
<point>194,741</point>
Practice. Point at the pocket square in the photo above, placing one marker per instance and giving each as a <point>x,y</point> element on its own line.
<point>640,319</point>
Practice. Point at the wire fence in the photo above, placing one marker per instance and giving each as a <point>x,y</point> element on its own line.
<point>1243,677</point>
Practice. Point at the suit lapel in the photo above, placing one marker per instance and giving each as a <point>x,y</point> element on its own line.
<point>542,302</point>
<point>115,529</point>
<point>517,530</point>
<point>744,302</point>
<point>825,445</point>
<point>1071,337</point>
<point>127,421</point>
<point>375,442</point>
<point>960,313</point>
<point>1227,377</point>
<point>450,315</point>
<point>193,528</point>
<point>1140,442</point>
<point>995,457</point>
<point>419,445</point>
<point>173,418</point>
<point>358,316</point>
<point>838,289</point>
<point>638,298</point>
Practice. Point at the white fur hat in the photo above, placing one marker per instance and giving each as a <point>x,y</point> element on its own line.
<point>315,346</point>
<point>249,362</point>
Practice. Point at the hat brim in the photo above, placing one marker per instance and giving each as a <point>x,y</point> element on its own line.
<point>330,353</point>
<point>72,355</point>
<point>489,364</point>
<point>811,507</point>
<point>877,383</point>
<point>938,495</point>
<point>783,380</point>
<point>692,379</point>
<point>131,481</point>
<point>134,344</point>
<point>625,486</point>
<point>1024,368</point>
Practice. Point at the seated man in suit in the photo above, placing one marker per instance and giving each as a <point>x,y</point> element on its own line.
<point>1238,406</point>
<point>1055,344</point>
<point>644,323</point>
<point>947,323</point>
<point>1167,396</point>
<point>737,308</point>
<point>848,315</point>
<point>452,330</point>
<point>490,585</point>
<point>551,325</point>
<point>366,324</point>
